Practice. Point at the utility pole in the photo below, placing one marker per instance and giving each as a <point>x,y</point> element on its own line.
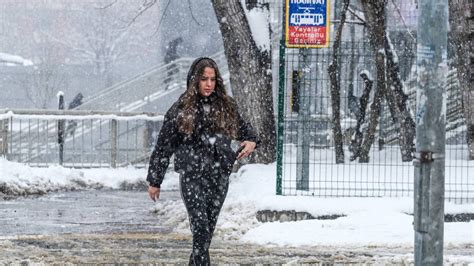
<point>430,131</point>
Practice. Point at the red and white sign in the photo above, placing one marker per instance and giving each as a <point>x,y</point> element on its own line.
<point>307,23</point>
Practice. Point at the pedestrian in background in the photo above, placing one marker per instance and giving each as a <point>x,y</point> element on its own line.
<point>172,55</point>
<point>72,124</point>
<point>198,129</point>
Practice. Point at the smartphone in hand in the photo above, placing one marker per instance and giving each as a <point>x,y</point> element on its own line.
<point>239,150</point>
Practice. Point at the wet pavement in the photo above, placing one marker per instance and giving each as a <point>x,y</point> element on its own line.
<point>100,226</point>
<point>95,211</point>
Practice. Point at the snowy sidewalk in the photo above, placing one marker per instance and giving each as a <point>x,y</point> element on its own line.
<point>384,224</point>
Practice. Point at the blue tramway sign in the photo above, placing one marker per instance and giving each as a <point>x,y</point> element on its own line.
<point>306,23</point>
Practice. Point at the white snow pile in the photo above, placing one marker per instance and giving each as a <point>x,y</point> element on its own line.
<point>21,180</point>
<point>367,221</point>
<point>12,60</point>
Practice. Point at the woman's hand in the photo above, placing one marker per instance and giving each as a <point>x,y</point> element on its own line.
<point>154,193</point>
<point>248,148</point>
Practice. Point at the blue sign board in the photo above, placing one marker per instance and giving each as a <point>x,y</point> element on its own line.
<point>307,23</point>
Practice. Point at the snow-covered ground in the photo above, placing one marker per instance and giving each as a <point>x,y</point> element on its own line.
<point>366,221</point>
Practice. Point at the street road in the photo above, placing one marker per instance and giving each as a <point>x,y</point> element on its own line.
<point>110,226</point>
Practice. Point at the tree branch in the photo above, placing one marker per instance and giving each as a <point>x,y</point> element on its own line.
<point>162,16</point>
<point>107,6</point>
<point>146,5</point>
<point>403,20</point>
<point>192,14</point>
<point>357,16</point>
<point>334,72</point>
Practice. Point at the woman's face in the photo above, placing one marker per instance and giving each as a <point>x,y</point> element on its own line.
<point>207,84</point>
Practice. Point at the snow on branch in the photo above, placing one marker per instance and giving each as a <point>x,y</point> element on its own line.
<point>259,22</point>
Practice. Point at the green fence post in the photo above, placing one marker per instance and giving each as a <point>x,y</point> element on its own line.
<point>281,108</point>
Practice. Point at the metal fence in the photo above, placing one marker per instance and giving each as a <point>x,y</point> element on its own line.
<point>307,165</point>
<point>306,156</point>
<point>90,139</point>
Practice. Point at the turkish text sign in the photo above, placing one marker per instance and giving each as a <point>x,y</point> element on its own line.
<point>307,23</point>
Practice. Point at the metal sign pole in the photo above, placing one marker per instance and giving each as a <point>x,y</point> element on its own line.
<point>430,131</point>
<point>303,134</point>
<point>61,128</point>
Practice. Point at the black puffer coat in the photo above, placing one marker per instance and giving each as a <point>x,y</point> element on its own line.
<point>204,151</point>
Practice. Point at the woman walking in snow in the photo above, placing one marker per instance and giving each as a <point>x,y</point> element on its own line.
<point>198,129</point>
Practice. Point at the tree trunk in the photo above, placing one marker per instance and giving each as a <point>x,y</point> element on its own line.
<point>250,75</point>
<point>352,62</point>
<point>398,100</point>
<point>374,11</point>
<point>356,140</point>
<point>333,71</point>
<point>461,43</point>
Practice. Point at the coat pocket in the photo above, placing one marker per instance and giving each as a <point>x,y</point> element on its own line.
<point>226,156</point>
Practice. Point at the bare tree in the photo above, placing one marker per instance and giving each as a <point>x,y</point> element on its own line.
<point>389,87</point>
<point>334,72</point>
<point>461,43</point>
<point>46,78</point>
<point>250,73</point>
<point>374,11</point>
<point>104,36</point>
<point>357,138</point>
<point>398,104</point>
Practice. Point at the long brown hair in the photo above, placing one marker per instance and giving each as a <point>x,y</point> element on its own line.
<point>224,109</point>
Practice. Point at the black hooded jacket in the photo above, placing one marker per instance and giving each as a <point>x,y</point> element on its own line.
<point>204,151</point>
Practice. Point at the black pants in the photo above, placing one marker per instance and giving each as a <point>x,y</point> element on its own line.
<point>203,195</point>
